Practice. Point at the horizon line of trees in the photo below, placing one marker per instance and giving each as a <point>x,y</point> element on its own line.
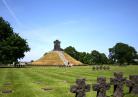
<point>119,54</point>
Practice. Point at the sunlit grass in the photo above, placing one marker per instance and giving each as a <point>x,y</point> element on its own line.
<point>25,86</point>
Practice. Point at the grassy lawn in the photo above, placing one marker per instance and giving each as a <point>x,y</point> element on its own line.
<point>24,80</point>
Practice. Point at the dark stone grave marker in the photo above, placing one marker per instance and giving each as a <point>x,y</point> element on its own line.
<point>118,82</point>
<point>101,86</point>
<point>108,67</point>
<point>6,91</point>
<point>93,68</point>
<point>97,67</point>
<point>80,88</point>
<point>7,84</point>
<point>104,67</point>
<point>47,88</point>
<point>101,67</point>
<point>133,84</point>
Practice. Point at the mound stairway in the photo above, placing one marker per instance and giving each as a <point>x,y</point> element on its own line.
<point>63,58</point>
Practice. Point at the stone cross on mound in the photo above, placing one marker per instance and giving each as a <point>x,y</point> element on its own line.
<point>101,86</point>
<point>56,45</point>
<point>133,84</point>
<point>118,82</point>
<point>80,88</point>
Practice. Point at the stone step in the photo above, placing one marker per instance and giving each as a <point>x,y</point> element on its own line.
<point>63,58</point>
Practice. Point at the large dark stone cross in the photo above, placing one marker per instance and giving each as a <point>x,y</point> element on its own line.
<point>56,45</point>
<point>80,88</point>
<point>101,86</point>
<point>118,82</point>
<point>133,84</point>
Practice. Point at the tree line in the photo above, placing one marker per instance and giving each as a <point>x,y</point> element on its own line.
<point>120,53</point>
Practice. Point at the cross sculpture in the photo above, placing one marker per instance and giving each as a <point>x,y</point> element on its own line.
<point>118,82</point>
<point>80,88</point>
<point>108,67</point>
<point>101,86</point>
<point>101,67</point>
<point>104,67</point>
<point>56,45</point>
<point>93,68</point>
<point>97,67</point>
<point>133,84</point>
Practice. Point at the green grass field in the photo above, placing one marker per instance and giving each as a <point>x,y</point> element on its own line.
<point>25,86</point>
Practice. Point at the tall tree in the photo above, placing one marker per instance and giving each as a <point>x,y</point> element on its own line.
<point>12,46</point>
<point>103,58</point>
<point>122,53</point>
<point>95,57</point>
<point>72,52</point>
<point>81,56</point>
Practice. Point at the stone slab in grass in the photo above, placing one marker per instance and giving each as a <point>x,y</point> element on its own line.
<point>7,84</point>
<point>61,74</point>
<point>27,75</point>
<point>65,81</point>
<point>6,91</point>
<point>38,82</point>
<point>47,89</point>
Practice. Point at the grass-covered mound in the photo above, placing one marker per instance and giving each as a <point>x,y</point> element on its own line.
<point>51,58</point>
<point>72,60</point>
<point>24,80</point>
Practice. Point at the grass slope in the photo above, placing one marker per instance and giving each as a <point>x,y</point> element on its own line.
<point>54,59</point>
<point>25,86</point>
<point>49,59</point>
<point>72,60</point>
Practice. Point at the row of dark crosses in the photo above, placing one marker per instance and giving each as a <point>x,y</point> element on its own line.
<point>64,66</point>
<point>101,67</point>
<point>122,65</point>
<point>18,65</point>
<point>101,86</point>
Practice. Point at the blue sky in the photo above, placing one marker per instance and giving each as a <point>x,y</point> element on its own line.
<point>86,25</point>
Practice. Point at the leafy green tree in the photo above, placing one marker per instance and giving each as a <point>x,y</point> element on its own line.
<point>86,59</point>
<point>12,46</point>
<point>122,53</point>
<point>103,58</point>
<point>81,56</point>
<point>72,52</point>
<point>95,57</point>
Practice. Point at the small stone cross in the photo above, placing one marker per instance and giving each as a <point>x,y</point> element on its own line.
<point>104,67</point>
<point>80,88</point>
<point>133,84</point>
<point>118,82</point>
<point>101,86</point>
<point>93,68</point>
<point>97,67</point>
<point>108,67</point>
<point>101,67</point>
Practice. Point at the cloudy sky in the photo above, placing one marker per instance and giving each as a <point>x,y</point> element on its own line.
<point>86,25</point>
